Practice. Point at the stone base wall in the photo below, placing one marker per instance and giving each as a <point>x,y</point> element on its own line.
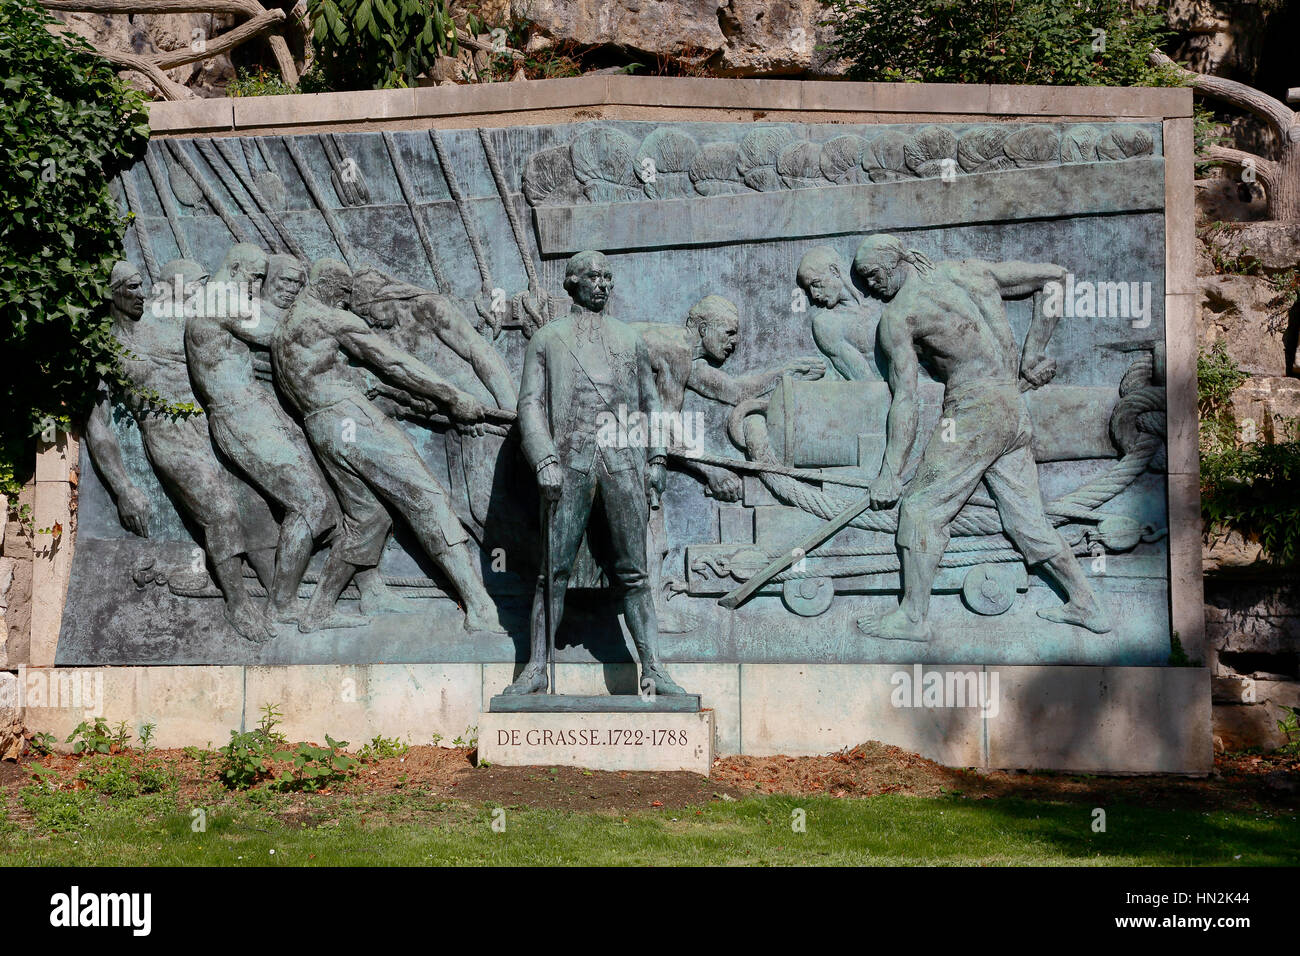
<point>1084,719</point>
<point>1253,627</point>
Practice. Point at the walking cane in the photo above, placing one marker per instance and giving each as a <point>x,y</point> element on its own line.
<point>547,507</point>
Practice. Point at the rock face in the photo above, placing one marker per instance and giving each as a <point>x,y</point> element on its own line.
<point>1245,313</point>
<point>719,37</point>
<point>1276,245</point>
<point>1252,617</point>
<point>774,38</point>
<point>1269,404</point>
<point>11,727</point>
<point>1254,620</point>
<point>15,589</point>
<point>668,27</point>
<point>1223,37</point>
<point>728,37</point>
<point>155,33</point>
<point>1230,549</point>
<point>1254,626</point>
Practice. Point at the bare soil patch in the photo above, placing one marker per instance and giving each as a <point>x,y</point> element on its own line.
<point>445,774</point>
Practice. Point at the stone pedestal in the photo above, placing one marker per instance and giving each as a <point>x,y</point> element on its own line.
<point>599,733</point>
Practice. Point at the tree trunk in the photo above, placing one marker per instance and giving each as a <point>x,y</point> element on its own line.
<point>1284,199</point>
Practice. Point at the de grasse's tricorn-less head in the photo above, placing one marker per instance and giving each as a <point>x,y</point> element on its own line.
<point>588,280</point>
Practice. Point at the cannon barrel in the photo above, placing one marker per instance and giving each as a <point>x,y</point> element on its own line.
<point>828,423</point>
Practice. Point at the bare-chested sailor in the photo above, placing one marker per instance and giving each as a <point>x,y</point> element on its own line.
<point>951,318</point>
<point>285,277</point>
<point>691,357</point>
<point>843,323</point>
<point>179,447</point>
<point>248,425</point>
<point>366,455</point>
<point>388,303</point>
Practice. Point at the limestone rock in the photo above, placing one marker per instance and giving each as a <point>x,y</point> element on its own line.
<point>772,38</point>
<point>1223,199</point>
<point>1267,404</point>
<point>155,33</point>
<point>1275,244</point>
<point>1239,726</point>
<point>16,615</point>
<point>1229,550</point>
<point>672,27</point>
<point>1253,616</point>
<point>1243,313</point>
<point>734,37</point>
<point>11,735</point>
<point>444,68</point>
<point>1224,37</point>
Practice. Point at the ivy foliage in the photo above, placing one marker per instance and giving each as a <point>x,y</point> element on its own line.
<point>67,126</point>
<point>1053,42</point>
<point>1251,488</point>
<point>1248,480</point>
<point>377,44</point>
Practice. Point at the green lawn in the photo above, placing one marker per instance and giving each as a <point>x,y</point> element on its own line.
<point>414,829</point>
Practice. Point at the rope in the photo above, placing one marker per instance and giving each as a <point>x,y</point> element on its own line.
<point>393,582</point>
<point>287,239</point>
<point>236,230</point>
<point>256,590</point>
<point>512,213</point>
<point>269,239</point>
<point>886,565</point>
<point>466,217</point>
<point>265,152</point>
<point>309,180</point>
<point>163,188</point>
<point>421,229</point>
<point>132,192</point>
<point>345,174</point>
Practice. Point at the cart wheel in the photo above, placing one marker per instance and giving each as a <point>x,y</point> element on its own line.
<point>808,597</point>
<point>989,589</point>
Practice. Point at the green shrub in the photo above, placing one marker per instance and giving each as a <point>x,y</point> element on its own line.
<point>258,83</point>
<point>245,760</point>
<point>1247,480</point>
<point>117,776</point>
<point>1091,43</point>
<point>67,125</point>
<point>314,768</point>
<point>91,737</point>
<point>1289,727</point>
<point>1251,488</point>
<point>377,44</point>
<point>381,748</point>
<point>1217,377</point>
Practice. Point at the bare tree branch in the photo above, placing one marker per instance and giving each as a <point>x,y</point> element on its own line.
<point>1275,113</point>
<point>217,45</point>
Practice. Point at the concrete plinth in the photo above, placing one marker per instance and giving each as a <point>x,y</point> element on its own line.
<point>642,740</point>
